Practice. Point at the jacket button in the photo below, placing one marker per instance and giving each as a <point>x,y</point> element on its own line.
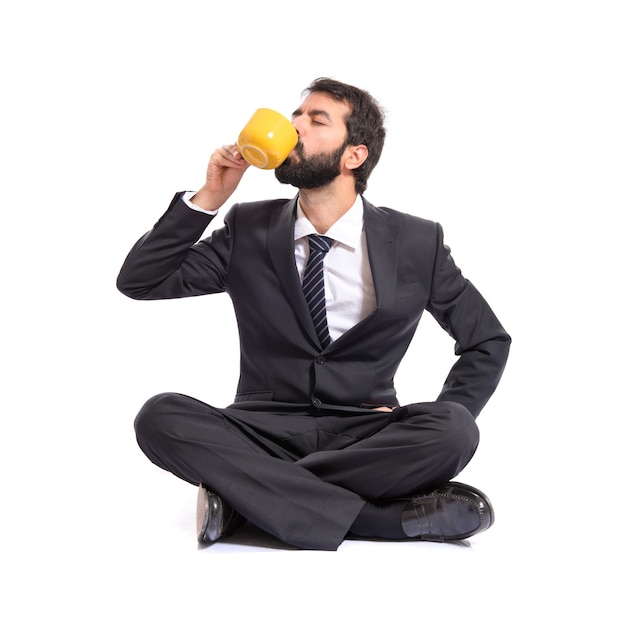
<point>320,360</point>
<point>316,402</point>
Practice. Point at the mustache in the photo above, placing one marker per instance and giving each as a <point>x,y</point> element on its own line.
<point>298,151</point>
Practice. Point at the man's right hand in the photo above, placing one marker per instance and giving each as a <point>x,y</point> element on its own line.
<point>226,167</point>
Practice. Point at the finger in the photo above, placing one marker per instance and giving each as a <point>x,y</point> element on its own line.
<point>230,155</point>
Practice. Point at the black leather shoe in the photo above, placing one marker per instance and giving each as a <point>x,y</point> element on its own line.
<point>214,518</point>
<point>450,512</point>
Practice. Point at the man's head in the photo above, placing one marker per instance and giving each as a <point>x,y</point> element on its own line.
<point>339,127</point>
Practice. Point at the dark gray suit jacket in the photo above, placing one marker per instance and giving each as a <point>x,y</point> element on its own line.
<point>252,259</point>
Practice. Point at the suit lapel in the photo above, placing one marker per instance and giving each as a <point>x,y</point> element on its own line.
<point>281,251</point>
<point>381,232</point>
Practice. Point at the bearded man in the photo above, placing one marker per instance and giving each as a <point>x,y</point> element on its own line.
<point>316,446</point>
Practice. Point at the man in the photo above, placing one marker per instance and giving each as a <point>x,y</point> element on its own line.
<point>316,446</point>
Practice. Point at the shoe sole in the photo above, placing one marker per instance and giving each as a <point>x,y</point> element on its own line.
<point>209,515</point>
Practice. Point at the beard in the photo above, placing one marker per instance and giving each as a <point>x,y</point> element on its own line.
<point>311,172</point>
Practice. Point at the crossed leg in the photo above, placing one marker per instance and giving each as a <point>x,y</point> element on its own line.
<point>304,477</point>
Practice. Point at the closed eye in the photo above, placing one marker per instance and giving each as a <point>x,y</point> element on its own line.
<point>318,116</point>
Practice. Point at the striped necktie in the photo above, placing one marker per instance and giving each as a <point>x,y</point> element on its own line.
<point>313,284</point>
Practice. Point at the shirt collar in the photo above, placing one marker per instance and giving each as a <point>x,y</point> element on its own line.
<point>346,230</point>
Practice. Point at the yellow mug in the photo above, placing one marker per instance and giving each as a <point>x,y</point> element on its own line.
<point>267,139</point>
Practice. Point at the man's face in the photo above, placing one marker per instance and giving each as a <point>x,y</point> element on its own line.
<point>318,158</point>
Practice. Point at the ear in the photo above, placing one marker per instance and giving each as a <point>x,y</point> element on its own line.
<point>355,156</point>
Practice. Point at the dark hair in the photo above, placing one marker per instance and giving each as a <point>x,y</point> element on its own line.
<point>365,122</point>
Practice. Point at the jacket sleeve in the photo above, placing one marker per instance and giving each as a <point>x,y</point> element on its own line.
<point>482,344</point>
<point>169,262</point>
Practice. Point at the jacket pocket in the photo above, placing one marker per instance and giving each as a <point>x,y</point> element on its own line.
<point>255,396</point>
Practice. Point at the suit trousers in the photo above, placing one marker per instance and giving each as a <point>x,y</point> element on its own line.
<point>302,474</point>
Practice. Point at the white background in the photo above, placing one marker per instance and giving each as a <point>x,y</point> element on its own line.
<point>505,123</point>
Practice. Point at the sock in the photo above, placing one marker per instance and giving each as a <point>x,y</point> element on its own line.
<point>382,520</point>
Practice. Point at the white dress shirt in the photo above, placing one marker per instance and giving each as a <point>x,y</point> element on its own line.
<point>350,295</point>
<point>348,283</point>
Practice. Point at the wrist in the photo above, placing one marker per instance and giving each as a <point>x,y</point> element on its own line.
<point>205,200</point>
<point>188,199</point>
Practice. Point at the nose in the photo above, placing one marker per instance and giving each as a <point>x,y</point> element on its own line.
<point>297,125</point>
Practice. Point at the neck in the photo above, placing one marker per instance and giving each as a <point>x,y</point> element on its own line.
<point>324,206</point>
